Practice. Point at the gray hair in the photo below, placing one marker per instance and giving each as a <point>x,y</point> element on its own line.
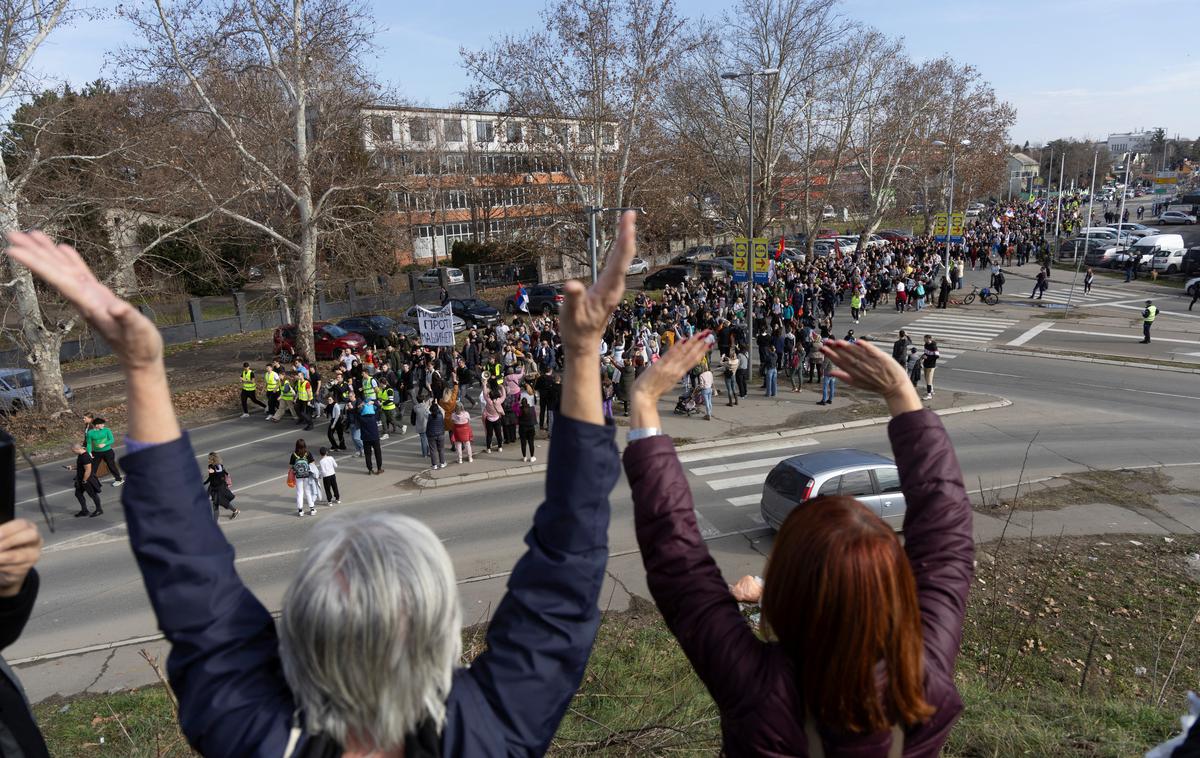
<point>371,630</point>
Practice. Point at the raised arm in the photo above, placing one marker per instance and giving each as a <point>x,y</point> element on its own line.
<point>684,580</point>
<point>937,523</point>
<point>224,663</point>
<point>542,632</point>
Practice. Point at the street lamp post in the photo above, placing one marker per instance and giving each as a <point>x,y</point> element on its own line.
<point>950,202</point>
<point>732,75</point>
<point>1087,236</point>
<point>593,249</point>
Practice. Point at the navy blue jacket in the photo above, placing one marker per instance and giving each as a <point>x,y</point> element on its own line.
<point>224,663</point>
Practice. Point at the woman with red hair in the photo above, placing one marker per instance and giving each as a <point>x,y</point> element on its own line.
<point>862,633</point>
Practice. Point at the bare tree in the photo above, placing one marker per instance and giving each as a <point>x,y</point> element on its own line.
<point>278,88</point>
<point>588,84</point>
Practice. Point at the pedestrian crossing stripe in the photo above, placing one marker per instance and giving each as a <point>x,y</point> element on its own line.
<point>1095,296</point>
<point>956,328</point>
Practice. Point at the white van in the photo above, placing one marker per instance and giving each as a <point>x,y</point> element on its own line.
<point>1165,251</point>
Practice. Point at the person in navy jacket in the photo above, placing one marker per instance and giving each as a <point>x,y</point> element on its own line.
<point>364,660</point>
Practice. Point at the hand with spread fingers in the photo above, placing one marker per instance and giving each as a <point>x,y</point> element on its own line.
<point>133,337</point>
<point>586,311</point>
<point>867,367</point>
<point>670,368</point>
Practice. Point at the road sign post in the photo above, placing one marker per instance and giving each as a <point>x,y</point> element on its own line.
<point>761,260</point>
<point>741,259</point>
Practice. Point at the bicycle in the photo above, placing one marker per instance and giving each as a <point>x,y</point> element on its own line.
<point>987,295</point>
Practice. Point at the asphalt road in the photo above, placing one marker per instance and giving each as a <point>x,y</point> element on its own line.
<point>1076,416</point>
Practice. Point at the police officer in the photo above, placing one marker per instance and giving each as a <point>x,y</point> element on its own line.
<point>287,398</point>
<point>273,383</point>
<point>304,396</point>
<point>1148,317</point>
<point>387,404</point>
<point>249,391</point>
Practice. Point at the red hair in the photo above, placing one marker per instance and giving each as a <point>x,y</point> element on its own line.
<point>840,597</point>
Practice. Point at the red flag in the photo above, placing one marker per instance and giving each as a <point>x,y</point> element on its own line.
<point>779,252</point>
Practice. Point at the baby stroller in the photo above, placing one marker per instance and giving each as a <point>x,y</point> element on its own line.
<point>689,402</point>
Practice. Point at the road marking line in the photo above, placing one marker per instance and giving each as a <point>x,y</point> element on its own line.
<point>743,500</point>
<point>727,451</point>
<point>1035,331</point>
<point>1122,336</point>
<point>738,481</point>
<point>989,373</point>
<point>723,468</point>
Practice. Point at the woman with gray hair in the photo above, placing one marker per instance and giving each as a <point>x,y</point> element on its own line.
<point>364,658</point>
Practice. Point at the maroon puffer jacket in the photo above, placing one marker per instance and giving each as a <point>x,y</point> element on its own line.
<point>752,681</point>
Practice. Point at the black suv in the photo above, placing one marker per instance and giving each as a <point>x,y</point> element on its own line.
<point>474,311</point>
<point>543,298</point>
<point>375,329</point>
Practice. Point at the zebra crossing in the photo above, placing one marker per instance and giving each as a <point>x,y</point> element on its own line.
<point>740,483</point>
<point>955,327</point>
<point>1060,292</point>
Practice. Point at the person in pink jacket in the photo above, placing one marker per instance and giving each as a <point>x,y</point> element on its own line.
<point>463,435</point>
<point>493,415</point>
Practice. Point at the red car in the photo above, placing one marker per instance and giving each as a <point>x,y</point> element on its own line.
<point>328,338</point>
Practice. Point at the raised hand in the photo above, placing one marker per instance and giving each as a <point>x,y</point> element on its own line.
<point>867,367</point>
<point>586,311</point>
<point>132,337</point>
<point>670,368</point>
<point>20,548</point>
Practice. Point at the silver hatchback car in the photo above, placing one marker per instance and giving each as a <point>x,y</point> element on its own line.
<point>867,477</point>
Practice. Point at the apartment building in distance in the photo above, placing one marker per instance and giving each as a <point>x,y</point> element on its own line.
<point>478,175</point>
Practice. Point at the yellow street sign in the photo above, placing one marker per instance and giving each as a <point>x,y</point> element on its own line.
<point>762,262</point>
<point>741,254</point>
<point>958,222</point>
<point>940,224</point>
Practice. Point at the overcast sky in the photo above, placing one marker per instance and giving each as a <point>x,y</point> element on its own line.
<point>1081,68</point>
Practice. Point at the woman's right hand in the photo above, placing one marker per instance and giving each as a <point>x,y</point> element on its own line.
<point>867,367</point>
<point>670,368</point>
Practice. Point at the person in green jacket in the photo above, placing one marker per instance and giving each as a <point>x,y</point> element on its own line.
<point>99,443</point>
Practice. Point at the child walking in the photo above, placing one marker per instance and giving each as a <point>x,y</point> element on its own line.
<point>328,468</point>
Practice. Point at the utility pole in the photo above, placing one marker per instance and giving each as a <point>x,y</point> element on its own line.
<point>1087,237</point>
<point>1058,212</point>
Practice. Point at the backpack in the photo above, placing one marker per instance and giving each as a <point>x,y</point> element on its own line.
<point>301,469</point>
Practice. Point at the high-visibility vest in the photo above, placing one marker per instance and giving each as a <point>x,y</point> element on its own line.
<point>288,393</point>
<point>389,399</point>
<point>272,381</point>
<point>1151,313</point>
<point>248,380</point>
<point>305,391</point>
<point>855,301</point>
<point>368,388</point>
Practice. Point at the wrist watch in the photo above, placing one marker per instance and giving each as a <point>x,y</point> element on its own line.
<point>643,432</point>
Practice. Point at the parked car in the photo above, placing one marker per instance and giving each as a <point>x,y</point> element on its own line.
<point>828,212</point>
<point>376,329</point>
<point>412,317</point>
<point>543,298</point>
<point>1137,230</point>
<point>827,247</point>
<point>672,275</point>
<point>869,478</point>
<point>1176,217</point>
<point>328,340</point>
<point>433,277</point>
<point>1191,261</point>
<point>894,235</point>
<point>16,390</point>
<point>254,274</point>
<point>711,269</point>
<point>693,254</point>
<point>637,266</point>
<point>474,311</point>
<point>1168,261</point>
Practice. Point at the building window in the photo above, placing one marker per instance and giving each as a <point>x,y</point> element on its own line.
<point>454,164</point>
<point>381,129</point>
<point>512,132</point>
<point>586,132</point>
<point>485,131</point>
<point>452,199</point>
<point>452,128</point>
<point>419,129</point>
<point>609,134</point>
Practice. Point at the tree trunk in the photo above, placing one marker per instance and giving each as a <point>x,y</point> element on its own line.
<point>41,344</point>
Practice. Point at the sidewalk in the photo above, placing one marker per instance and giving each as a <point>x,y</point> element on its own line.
<point>754,415</point>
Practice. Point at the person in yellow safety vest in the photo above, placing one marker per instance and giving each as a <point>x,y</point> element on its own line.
<point>369,387</point>
<point>272,382</point>
<point>249,391</point>
<point>855,306</point>
<point>287,397</point>
<point>387,404</point>
<point>1148,317</point>
<point>304,396</point>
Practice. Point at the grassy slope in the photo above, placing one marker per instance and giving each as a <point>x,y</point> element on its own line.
<point>1037,608</point>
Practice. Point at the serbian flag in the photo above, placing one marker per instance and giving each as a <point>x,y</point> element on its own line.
<point>995,224</point>
<point>522,299</point>
<point>779,251</point>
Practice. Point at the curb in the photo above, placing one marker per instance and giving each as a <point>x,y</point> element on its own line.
<point>423,481</point>
<point>1086,359</point>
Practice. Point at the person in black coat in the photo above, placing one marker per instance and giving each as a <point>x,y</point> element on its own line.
<point>86,481</point>
<point>435,434</point>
